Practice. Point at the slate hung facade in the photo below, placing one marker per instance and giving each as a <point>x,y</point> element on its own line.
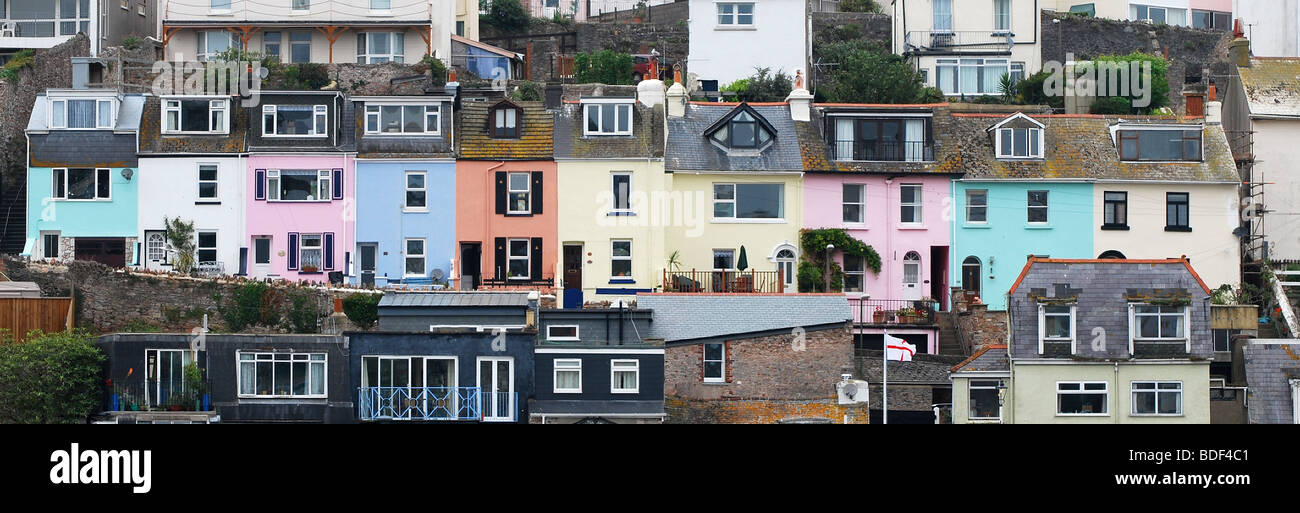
<point>598,366</point>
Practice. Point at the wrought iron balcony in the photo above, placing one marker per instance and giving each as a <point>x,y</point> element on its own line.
<point>418,403</point>
<point>153,395</point>
<point>890,312</point>
<point>960,41</point>
<point>707,282</point>
<point>890,151</point>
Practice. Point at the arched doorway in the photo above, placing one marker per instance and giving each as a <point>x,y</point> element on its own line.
<point>970,275</point>
<point>785,256</point>
<point>1112,255</point>
<point>912,276</point>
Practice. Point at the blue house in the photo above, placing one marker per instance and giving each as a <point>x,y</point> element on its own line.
<point>406,188</point>
<point>598,366</point>
<point>82,190</point>
<point>446,356</point>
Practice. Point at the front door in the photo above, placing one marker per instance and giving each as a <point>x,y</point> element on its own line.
<point>368,254</point>
<point>496,384</point>
<point>155,249</point>
<point>471,265</point>
<point>261,256</point>
<point>572,276</point>
<point>912,276</point>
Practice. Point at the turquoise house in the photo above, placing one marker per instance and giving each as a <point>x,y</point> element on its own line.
<point>82,191</point>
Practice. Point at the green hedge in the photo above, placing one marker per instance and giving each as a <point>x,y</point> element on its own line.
<point>53,378</point>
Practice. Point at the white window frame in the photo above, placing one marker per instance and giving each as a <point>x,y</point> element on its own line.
<point>261,356</point>
<point>861,203</point>
<point>270,251</point>
<point>300,6</point>
<point>1042,327</point>
<point>407,189</point>
<point>215,181</point>
<point>221,105</point>
<point>860,273</point>
<point>478,382</point>
<point>613,376</point>
<point>527,258</point>
<point>732,14</point>
<point>1133,331</point>
<point>945,15</point>
<point>1001,16</point>
<point>918,203</point>
<point>957,63</point>
<point>395,54</point>
<point>626,196</point>
<point>613,258</point>
<point>622,109</point>
<point>571,365</point>
<point>704,360</point>
<point>61,105</point>
<point>1047,199</point>
<point>320,121</point>
<point>1033,143</point>
<point>303,249</point>
<point>971,386</point>
<point>205,53</point>
<point>381,11</point>
<point>422,256</point>
<point>432,111</point>
<point>1133,394</point>
<point>45,235</point>
<point>511,191</point>
<point>971,206</point>
<point>324,186</point>
<point>1083,385</point>
<point>576,332</point>
<point>199,248</point>
<point>735,204</point>
<point>64,196</point>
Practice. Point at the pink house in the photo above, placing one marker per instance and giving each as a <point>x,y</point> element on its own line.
<point>301,194</point>
<point>886,181</point>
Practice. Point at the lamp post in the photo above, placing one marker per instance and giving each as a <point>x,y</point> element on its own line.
<point>829,247</point>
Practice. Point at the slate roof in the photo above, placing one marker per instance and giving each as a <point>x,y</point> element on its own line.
<point>689,150</point>
<point>815,143</point>
<point>1272,86</point>
<point>152,141</point>
<point>646,141</point>
<point>990,358</point>
<point>924,369</point>
<point>424,299</point>
<point>1269,369</point>
<point>685,317</point>
<point>341,123</point>
<point>1079,146</point>
<point>536,130</point>
<point>380,146</point>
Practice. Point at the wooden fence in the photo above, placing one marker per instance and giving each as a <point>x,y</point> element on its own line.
<point>49,314</point>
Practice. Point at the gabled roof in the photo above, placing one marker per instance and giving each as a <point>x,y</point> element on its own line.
<point>688,149</point>
<point>985,360</point>
<point>743,107</point>
<point>686,317</point>
<point>1014,117</point>
<point>1107,262</point>
<point>1272,86</point>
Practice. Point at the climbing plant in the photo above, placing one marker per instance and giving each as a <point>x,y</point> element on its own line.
<point>812,244</point>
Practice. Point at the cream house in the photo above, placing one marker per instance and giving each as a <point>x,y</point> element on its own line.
<point>965,47</point>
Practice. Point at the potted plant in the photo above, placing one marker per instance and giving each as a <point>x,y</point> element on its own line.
<point>879,316</point>
<point>196,389</point>
<point>310,269</point>
<point>907,315</point>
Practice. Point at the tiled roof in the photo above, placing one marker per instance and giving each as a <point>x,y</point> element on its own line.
<point>153,141</point>
<point>646,141</point>
<point>1080,147</point>
<point>536,131</point>
<point>1272,86</point>
<point>1269,369</point>
<point>689,150</point>
<point>815,143</point>
<point>683,317</point>
<point>454,299</point>
<point>990,358</point>
<point>1088,263</point>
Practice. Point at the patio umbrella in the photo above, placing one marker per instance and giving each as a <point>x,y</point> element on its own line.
<point>743,262</point>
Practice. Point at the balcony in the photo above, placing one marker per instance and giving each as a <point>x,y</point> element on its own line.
<point>954,42</point>
<point>719,282</point>
<point>153,395</point>
<point>894,312</point>
<point>434,403</point>
<point>544,285</point>
<point>884,151</point>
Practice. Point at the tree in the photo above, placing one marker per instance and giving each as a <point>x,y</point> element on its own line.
<point>762,86</point>
<point>362,309</point>
<point>53,378</point>
<point>180,236</point>
<point>1157,82</point>
<point>859,6</point>
<point>1031,91</point>
<point>603,67</point>
<point>507,16</point>
<point>867,74</point>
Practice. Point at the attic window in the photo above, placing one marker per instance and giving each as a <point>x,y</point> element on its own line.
<point>1160,145</point>
<point>607,118</point>
<point>505,121</point>
<point>202,115</point>
<point>742,131</point>
<point>1020,143</point>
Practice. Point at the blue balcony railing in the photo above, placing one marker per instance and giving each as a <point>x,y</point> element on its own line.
<point>418,403</point>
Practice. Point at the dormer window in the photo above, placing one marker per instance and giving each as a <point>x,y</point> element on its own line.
<point>294,120</point>
<point>892,139</point>
<point>396,119</point>
<point>607,118</point>
<point>505,121</point>
<point>743,128</point>
<point>198,115</point>
<point>1018,137</point>
<point>89,113</point>
<point>1161,144</point>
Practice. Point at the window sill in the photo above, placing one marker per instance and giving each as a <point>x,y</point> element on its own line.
<point>1178,228</point>
<point>566,392</point>
<point>298,201</point>
<point>384,13</point>
<point>1083,415</point>
<point>714,383</point>
<point>1157,415</point>
<point>516,214</point>
<point>599,135</point>
<point>735,220</point>
<point>906,226</point>
<point>911,161</point>
<point>624,392</point>
<point>311,272</point>
<point>294,136</point>
<point>617,213</point>
<point>750,27</point>
<point>1043,226</point>
<point>856,226</point>
<point>214,12</point>
<point>207,202</point>
<point>190,134</point>
<point>613,281</point>
<point>977,226</point>
<point>97,200</point>
<point>415,210</point>
<point>1121,227</point>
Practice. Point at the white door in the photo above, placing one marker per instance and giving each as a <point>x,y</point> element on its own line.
<point>155,250</point>
<point>785,263</point>
<point>261,256</point>
<point>912,276</point>
<point>496,384</point>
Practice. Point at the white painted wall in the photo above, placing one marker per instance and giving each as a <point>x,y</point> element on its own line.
<point>1273,26</point>
<point>1276,157</point>
<point>169,187</point>
<point>973,18</point>
<point>777,40</point>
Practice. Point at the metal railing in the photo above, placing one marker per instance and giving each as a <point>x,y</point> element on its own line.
<point>942,41</point>
<point>705,282</point>
<point>418,403</point>
<point>894,311</point>
<point>499,406</point>
<point>150,395</point>
<point>41,27</point>
<point>891,151</point>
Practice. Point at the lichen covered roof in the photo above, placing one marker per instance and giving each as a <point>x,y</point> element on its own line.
<point>1272,86</point>
<point>536,129</point>
<point>646,141</point>
<point>153,141</point>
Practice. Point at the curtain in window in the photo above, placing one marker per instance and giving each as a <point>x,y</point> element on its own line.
<point>1177,17</point>
<point>970,76</point>
<point>844,139</point>
<point>81,113</point>
<point>942,15</point>
<point>915,138</point>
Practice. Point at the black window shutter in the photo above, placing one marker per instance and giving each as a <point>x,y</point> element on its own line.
<point>329,251</point>
<point>259,185</point>
<point>338,184</point>
<point>537,192</point>
<point>293,250</point>
<point>499,261</point>
<point>243,261</point>
<point>536,257</point>
<point>501,192</point>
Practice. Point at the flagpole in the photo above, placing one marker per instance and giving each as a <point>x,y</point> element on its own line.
<point>884,380</point>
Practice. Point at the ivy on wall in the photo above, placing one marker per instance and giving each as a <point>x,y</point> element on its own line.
<point>812,243</point>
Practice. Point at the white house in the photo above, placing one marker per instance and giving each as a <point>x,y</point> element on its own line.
<point>729,39</point>
<point>38,24</point>
<point>963,47</point>
<point>1273,26</point>
<point>1272,115</point>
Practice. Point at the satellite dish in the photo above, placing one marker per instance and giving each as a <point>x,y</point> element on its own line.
<point>127,172</point>
<point>437,274</point>
<point>851,390</point>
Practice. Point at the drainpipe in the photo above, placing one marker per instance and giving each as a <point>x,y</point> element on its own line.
<point>1115,412</point>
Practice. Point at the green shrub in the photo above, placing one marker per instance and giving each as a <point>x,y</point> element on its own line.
<point>131,42</point>
<point>53,378</point>
<point>302,316</point>
<point>180,235</point>
<point>362,309</point>
<point>1158,83</point>
<point>1031,92</point>
<point>859,6</point>
<point>869,74</point>
<point>436,69</point>
<point>305,76</point>
<point>1111,105</point>
<point>528,91</point>
<point>507,16</point>
<point>762,86</point>
<point>142,326</point>
<point>603,67</point>
<point>813,245</point>
<point>253,303</point>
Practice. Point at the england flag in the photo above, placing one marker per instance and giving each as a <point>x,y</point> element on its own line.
<point>898,350</point>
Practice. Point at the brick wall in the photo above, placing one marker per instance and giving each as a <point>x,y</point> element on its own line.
<point>764,368</point>
<point>687,411</point>
<point>976,325</point>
